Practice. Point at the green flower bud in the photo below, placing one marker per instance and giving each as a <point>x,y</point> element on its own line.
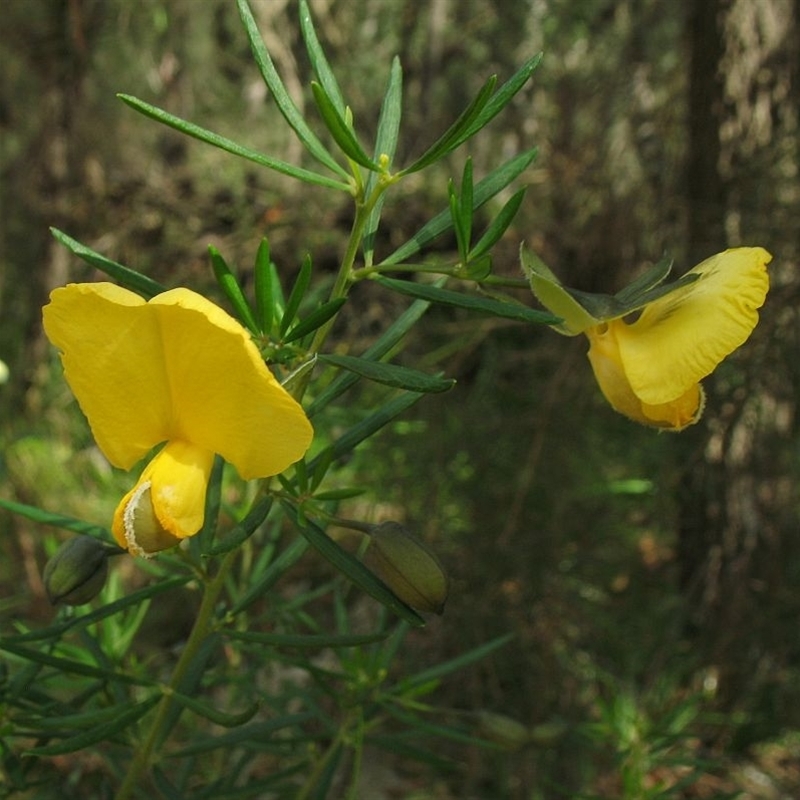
<point>505,731</point>
<point>77,571</point>
<point>407,566</point>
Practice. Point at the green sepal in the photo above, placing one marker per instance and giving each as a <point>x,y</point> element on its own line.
<point>582,310</point>
<point>574,318</point>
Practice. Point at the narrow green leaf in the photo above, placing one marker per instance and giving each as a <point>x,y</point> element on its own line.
<point>284,102</point>
<point>297,294</point>
<point>341,132</point>
<point>100,733</point>
<point>390,374</point>
<point>319,61</point>
<point>339,494</point>
<point>498,226</point>
<point>504,95</point>
<point>248,736</point>
<point>316,319</point>
<point>389,339</point>
<point>68,665</point>
<point>385,146</point>
<point>57,520</point>
<point>454,135</point>
<point>225,719</point>
<point>109,610</point>
<point>314,641</point>
<point>228,283</point>
<point>445,668</point>
<point>372,424</point>
<point>352,568</point>
<point>483,305</point>
<point>63,725</point>
<point>244,530</point>
<point>465,206</point>
<point>125,276</point>
<point>485,190</point>
<point>265,296</point>
<point>223,143</point>
<point>271,575</point>
<point>455,216</point>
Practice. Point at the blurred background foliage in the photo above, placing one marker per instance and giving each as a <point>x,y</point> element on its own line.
<point>651,581</point>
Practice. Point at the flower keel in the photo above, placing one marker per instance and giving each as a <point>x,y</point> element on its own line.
<point>168,502</point>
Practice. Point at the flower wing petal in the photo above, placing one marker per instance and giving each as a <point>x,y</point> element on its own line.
<point>682,337</point>
<point>113,362</point>
<point>225,397</point>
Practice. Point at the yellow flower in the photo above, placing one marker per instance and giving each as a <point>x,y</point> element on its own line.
<point>179,370</point>
<point>650,369</point>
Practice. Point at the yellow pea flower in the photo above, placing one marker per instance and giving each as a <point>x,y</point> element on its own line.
<point>650,369</point>
<point>177,370</point>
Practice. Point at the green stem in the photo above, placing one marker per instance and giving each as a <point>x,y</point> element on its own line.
<point>343,280</point>
<point>322,763</point>
<point>142,759</point>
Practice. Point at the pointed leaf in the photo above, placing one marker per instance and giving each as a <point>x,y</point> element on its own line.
<point>57,520</point>
<point>251,735</point>
<point>123,275</point>
<point>370,426</point>
<point>504,94</point>
<point>228,283</point>
<point>454,135</point>
<point>222,718</point>
<point>265,296</point>
<point>352,568</point>
<point>284,102</point>
<point>297,294</point>
<point>337,125</point>
<point>223,143</point>
<point>316,319</point>
<point>484,305</point>
<point>315,641</point>
<point>492,184</point>
<point>100,733</point>
<point>389,339</point>
<point>498,226</point>
<point>319,61</point>
<point>390,374</point>
<point>385,148</point>
<point>245,529</point>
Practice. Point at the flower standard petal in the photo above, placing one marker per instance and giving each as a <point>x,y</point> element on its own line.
<point>681,338</point>
<point>224,398</point>
<point>113,361</point>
